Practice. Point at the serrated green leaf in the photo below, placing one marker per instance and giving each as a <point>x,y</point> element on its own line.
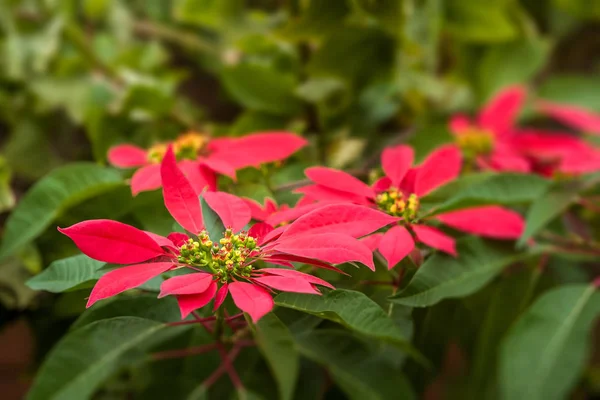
<point>48,198</point>
<point>277,345</point>
<point>66,274</point>
<point>352,309</point>
<point>443,276</point>
<point>359,371</point>
<point>549,206</point>
<point>503,189</point>
<point>212,222</point>
<point>545,351</point>
<point>85,358</point>
<point>145,306</point>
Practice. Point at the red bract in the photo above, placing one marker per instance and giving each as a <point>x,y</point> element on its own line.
<point>488,140</point>
<point>397,197</point>
<point>579,118</point>
<point>200,157</point>
<point>227,265</point>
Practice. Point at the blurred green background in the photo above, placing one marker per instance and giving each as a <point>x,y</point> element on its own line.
<point>77,77</point>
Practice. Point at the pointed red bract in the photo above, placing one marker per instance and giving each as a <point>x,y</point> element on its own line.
<point>186,284</point>
<point>325,194</point>
<point>161,240</point>
<point>112,241</point>
<point>292,214</point>
<point>221,295</point>
<point>491,221</point>
<point>259,148</point>
<point>286,284</point>
<point>347,219</point>
<point>127,156</point>
<point>573,116</point>
<point>279,257</point>
<point>396,244</point>
<point>372,241</point>
<point>232,210</point>
<point>396,161</point>
<point>435,238</point>
<point>191,302</point>
<point>500,113</point>
<point>333,248</point>
<point>178,238</point>
<point>251,299</point>
<point>442,166</point>
<point>259,231</point>
<point>199,176</point>
<point>125,278</point>
<point>339,180</point>
<point>145,179</point>
<point>180,198</point>
<point>298,275</point>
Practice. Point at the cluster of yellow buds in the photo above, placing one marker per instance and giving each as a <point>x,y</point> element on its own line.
<point>157,152</point>
<point>474,142</point>
<point>186,147</point>
<point>189,145</point>
<point>225,258</point>
<point>395,203</point>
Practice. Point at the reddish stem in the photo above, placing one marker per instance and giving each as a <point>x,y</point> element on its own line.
<point>596,282</point>
<point>164,355</point>
<point>204,321</point>
<point>221,369</point>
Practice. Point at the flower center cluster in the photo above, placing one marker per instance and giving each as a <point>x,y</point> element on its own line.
<point>395,203</point>
<point>474,142</point>
<point>226,258</point>
<point>186,147</point>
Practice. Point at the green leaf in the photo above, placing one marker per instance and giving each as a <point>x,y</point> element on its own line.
<point>480,22</point>
<point>545,352</point>
<point>277,345</point>
<point>354,54</point>
<point>359,371</point>
<point>145,306</point>
<point>352,309</point>
<point>48,198</point>
<point>443,276</point>
<point>262,88</point>
<point>549,206</point>
<point>66,274</point>
<point>85,358</point>
<point>212,223</point>
<point>504,189</point>
<point>520,61</point>
<point>7,197</point>
<point>578,90</point>
<point>318,18</point>
<point>209,13</point>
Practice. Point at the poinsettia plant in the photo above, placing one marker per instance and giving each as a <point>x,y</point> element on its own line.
<point>299,200</point>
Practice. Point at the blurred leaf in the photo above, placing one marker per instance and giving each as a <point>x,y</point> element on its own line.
<point>361,373</point>
<point>546,350</point>
<point>49,197</point>
<point>572,89</point>
<point>28,151</point>
<point>256,121</point>
<point>386,12</point>
<point>145,306</point>
<point>72,94</point>
<point>66,274</point>
<point>443,276</point>
<point>7,197</point>
<point>86,357</point>
<point>345,151</point>
<point>277,345</point>
<point>96,9</point>
<point>13,291</point>
<point>261,88</point>
<point>319,89</point>
<point>208,13</point>
<point>548,206</point>
<point>510,63</point>
<point>504,189</point>
<point>318,18</point>
<point>586,9</point>
<point>480,21</point>
<point>428,138</point>
<point>354,54</point>
<point>352,309</point>
<point>212,222</point>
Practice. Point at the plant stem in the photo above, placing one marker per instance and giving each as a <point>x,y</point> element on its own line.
<point>164,355</point>
<point>219,324</point>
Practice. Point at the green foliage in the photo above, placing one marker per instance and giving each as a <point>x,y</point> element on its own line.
<point>545,351</point>
<point>68,273</point>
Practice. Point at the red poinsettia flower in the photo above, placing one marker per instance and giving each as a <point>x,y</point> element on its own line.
<point>221,265</point>
<point>579,118</point>
<point>488,140</point>
<point>399,194</point>
<point>200,157</point>
<point>275,215</point>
